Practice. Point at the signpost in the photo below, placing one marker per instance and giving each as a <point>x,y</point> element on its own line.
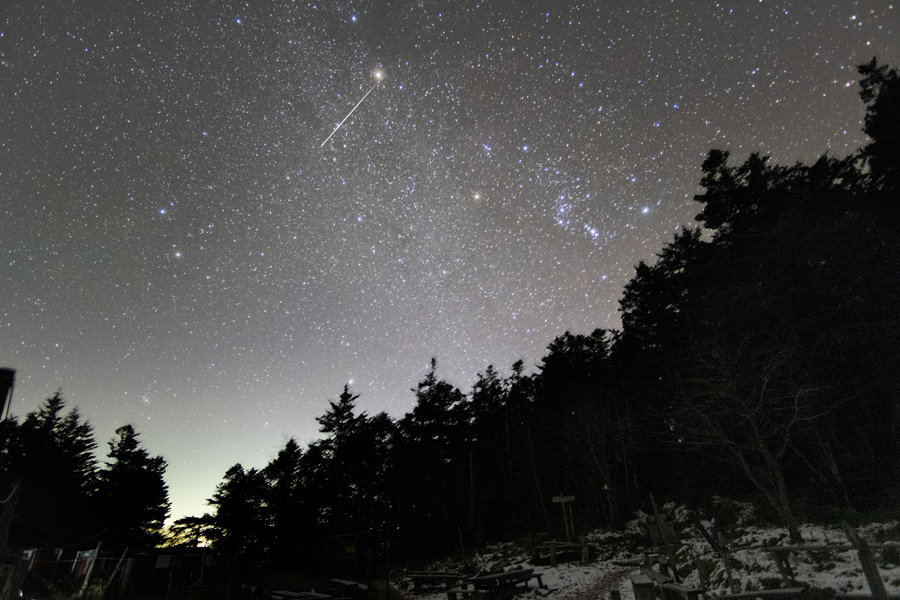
<point>566,502</point>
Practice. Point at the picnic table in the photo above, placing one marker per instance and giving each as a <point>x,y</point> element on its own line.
<point>497,586</point>
<point>555,548</point>
<point>429,579</point>
<point>345,589</point>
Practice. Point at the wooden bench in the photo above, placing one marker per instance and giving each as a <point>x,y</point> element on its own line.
<point>646,583</point>
<point>642,585</point>
<point>430,579</point>
<point>461,593</point>
<point>555,548</point>
<point>676,591</point>
<point>496,586</point>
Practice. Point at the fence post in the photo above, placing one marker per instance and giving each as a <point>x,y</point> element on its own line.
<point>87,576</point>
<point>867,560</point>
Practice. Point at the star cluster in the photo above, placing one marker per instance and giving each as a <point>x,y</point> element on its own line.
<point>181,252</point>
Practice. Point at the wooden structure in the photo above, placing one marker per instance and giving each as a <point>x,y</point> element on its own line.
<point>496,586</point>
<point>566,503</point>
<point>552,550</point>
<point>663,539</point>
<point>428,580</point>
<point>659,577</point>
<point>650,584</point>
<point>288,595</point>
<point>773,594</point>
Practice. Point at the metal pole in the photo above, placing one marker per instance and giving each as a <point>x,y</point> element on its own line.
<point>7,383</point>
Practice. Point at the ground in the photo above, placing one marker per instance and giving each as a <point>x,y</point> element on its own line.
<point>832,571</point>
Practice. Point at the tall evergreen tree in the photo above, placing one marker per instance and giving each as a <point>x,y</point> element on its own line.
<point>55,464</point>
<point>239,504</point>
<point>133,491</point>
<point>880,90</point>
<point>433,464</point>
<point>346,455</point>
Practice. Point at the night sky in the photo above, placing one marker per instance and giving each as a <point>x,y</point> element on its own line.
<point>180,251</point>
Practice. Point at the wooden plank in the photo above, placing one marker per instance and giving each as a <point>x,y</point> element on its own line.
<point>656,577</point>
<point>867,560</point>
<point>459,593</point>
<point>774,593</point>
<point>679,590</point>
<point>643,587</point>
<point>725,560</point>
<point>667,540</point>
<point>628,562</point>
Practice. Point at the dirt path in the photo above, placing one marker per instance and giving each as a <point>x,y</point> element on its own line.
<point>599,589</point>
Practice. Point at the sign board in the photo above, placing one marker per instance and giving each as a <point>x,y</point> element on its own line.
<point>563,498</point>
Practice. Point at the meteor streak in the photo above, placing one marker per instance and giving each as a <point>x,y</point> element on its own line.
<point>378,79</point>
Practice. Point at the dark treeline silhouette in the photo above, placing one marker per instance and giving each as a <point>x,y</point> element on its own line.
<point>758,358</point>
<point>58,496</point>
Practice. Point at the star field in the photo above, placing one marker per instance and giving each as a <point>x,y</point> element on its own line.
<point>181,252</point>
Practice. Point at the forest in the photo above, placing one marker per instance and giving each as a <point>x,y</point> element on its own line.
<point>758,358</point>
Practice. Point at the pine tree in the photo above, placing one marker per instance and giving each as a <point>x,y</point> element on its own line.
<point>133,491</point>
<point>240,515</point>
<point>57,470</point>
<point>880,90</point>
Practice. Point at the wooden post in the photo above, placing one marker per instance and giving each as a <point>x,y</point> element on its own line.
<point>724,555</point>
<point>615,595</point>
<point>643,587</point>
<point>87,576</point>
<point>867,560</point>
<point>126,576</point>
<point>553,551</point>
<point>567,514</point>
<point>784,567</point>
<point>115,572</point>
<point>462,547</point>
<point>59,555</point>
<point>702,573</point>
<point>670,551</point>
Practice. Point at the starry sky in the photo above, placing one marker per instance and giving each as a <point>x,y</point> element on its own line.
<point>181,252</point>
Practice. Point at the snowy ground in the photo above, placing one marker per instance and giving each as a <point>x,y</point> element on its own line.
<point>752,569</point>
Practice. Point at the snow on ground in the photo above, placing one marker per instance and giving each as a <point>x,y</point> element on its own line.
<point>566,581</point>
<point>840,571</point>
<point>751,569</point>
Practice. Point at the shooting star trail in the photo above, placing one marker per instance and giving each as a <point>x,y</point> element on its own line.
<point>348,114</point>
